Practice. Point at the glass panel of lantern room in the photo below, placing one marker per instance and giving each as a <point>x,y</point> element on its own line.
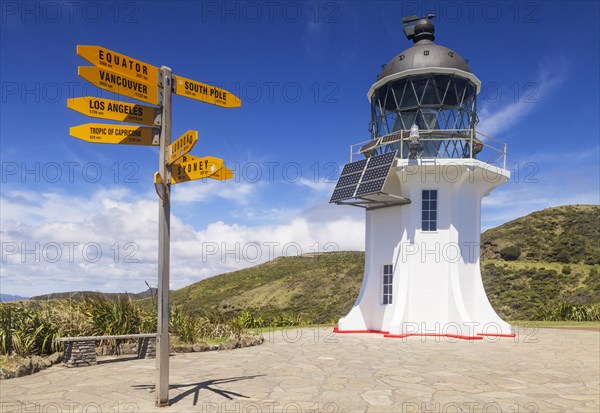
<point>430,96</point>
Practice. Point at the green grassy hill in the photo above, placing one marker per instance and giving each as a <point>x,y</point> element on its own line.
<point>317,288</point>
<point>566,234</point>
<point>80,295</point>
<point>322,288</point>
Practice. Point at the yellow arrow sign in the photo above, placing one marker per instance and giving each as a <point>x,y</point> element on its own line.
<point>181,146</point>
<point>116,134</point>
<point>222,174</point>
<point>190,168</point>
<point>206,93</point>
<point>114,110</point>
<point>118,83</point>
<point>117,62</point>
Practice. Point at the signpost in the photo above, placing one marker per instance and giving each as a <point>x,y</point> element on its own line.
<point>117,62</point>
<point>181,146</point>
<point>124,75</point>
<point>190,168</point>
<point>205,93</point>
<point>115,110</point>
<point>119,83</point>
<point>116,134</point>
<point>223,174</point>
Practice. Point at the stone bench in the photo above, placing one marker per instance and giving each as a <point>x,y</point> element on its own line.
<point>81,351</point>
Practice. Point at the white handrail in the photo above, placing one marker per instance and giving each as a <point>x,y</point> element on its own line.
<point>469,135</point>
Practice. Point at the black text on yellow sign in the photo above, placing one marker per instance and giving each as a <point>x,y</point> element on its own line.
<point>117,62</point>
<point>118,83</point>
<point>189,168</point>
<point>181,146</point>
<point>114,110</point>
<point>206,93</point>
<point>116,134</point>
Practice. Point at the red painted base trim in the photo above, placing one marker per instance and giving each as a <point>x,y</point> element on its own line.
<point>387,334</point>
<point>497,335</point>
<point>433,335</point>
<point>336,330</point>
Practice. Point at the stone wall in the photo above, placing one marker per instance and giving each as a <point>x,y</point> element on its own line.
<point>147,348</point>
<point>83,353</point>
<point>80,353</point>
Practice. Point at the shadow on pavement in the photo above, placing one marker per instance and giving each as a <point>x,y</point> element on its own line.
<point>115,359</point>
<point>196,387</point>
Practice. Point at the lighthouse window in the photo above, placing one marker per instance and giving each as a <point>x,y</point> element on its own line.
<point>388,277</point>
<point>429,210</point>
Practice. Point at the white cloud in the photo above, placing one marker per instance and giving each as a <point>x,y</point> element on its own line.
<point>320,185</point>
<point>108,241</point>
<point>495,121</point>
<point>239,192</point>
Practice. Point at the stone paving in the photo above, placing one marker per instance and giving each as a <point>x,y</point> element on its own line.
<point>313,370</point>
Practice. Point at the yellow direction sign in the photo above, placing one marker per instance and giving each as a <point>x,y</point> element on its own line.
<point>181,146</point>
<point>114,110</point>
<point>116,134</point>
<point>117,62</point>
<point>222,174</point>
<point>190,168</point>
<point>206,93</point>
<point>118,83</point>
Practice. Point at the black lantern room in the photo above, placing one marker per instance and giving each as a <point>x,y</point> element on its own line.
<point>426,87</point>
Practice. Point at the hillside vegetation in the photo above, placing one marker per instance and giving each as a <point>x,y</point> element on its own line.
<point>317,289</point>
<point>80,295</point>
<point>566,234</point>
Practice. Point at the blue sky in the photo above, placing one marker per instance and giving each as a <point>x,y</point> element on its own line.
<point>87,212</point>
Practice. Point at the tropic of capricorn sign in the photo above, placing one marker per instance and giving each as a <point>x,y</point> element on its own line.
<point>138,80</point>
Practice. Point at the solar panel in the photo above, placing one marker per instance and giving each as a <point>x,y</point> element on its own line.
<point>395,137</point>
<point>375,173</point>
<point>350,179</point>
<point>380,160</point>
<point>370,187</point>
<point>363,177</point>
<point>368,146</point>
<point>342,193</point>
<point>354,166</point>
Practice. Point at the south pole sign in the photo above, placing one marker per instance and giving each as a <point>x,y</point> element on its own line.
<point>138,80</point>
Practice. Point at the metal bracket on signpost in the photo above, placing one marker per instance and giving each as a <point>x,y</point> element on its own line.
<point>164,234</point>
<point>159,185</point>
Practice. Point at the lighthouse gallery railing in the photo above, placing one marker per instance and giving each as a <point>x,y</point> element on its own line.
<point>437,144</point>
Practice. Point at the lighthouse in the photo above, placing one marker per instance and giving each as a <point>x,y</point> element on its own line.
<point>421,178</point>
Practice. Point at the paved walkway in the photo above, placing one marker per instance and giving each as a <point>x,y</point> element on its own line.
<point>314,371</point>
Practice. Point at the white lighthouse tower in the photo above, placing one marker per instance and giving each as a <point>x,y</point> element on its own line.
<point>421,178</point>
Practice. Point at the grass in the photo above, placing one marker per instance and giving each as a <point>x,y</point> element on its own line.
<point>29,328</point>
<point>316,289</point>
<point>567,234</point>
<point>555,324</point>
<point>215,341</point>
